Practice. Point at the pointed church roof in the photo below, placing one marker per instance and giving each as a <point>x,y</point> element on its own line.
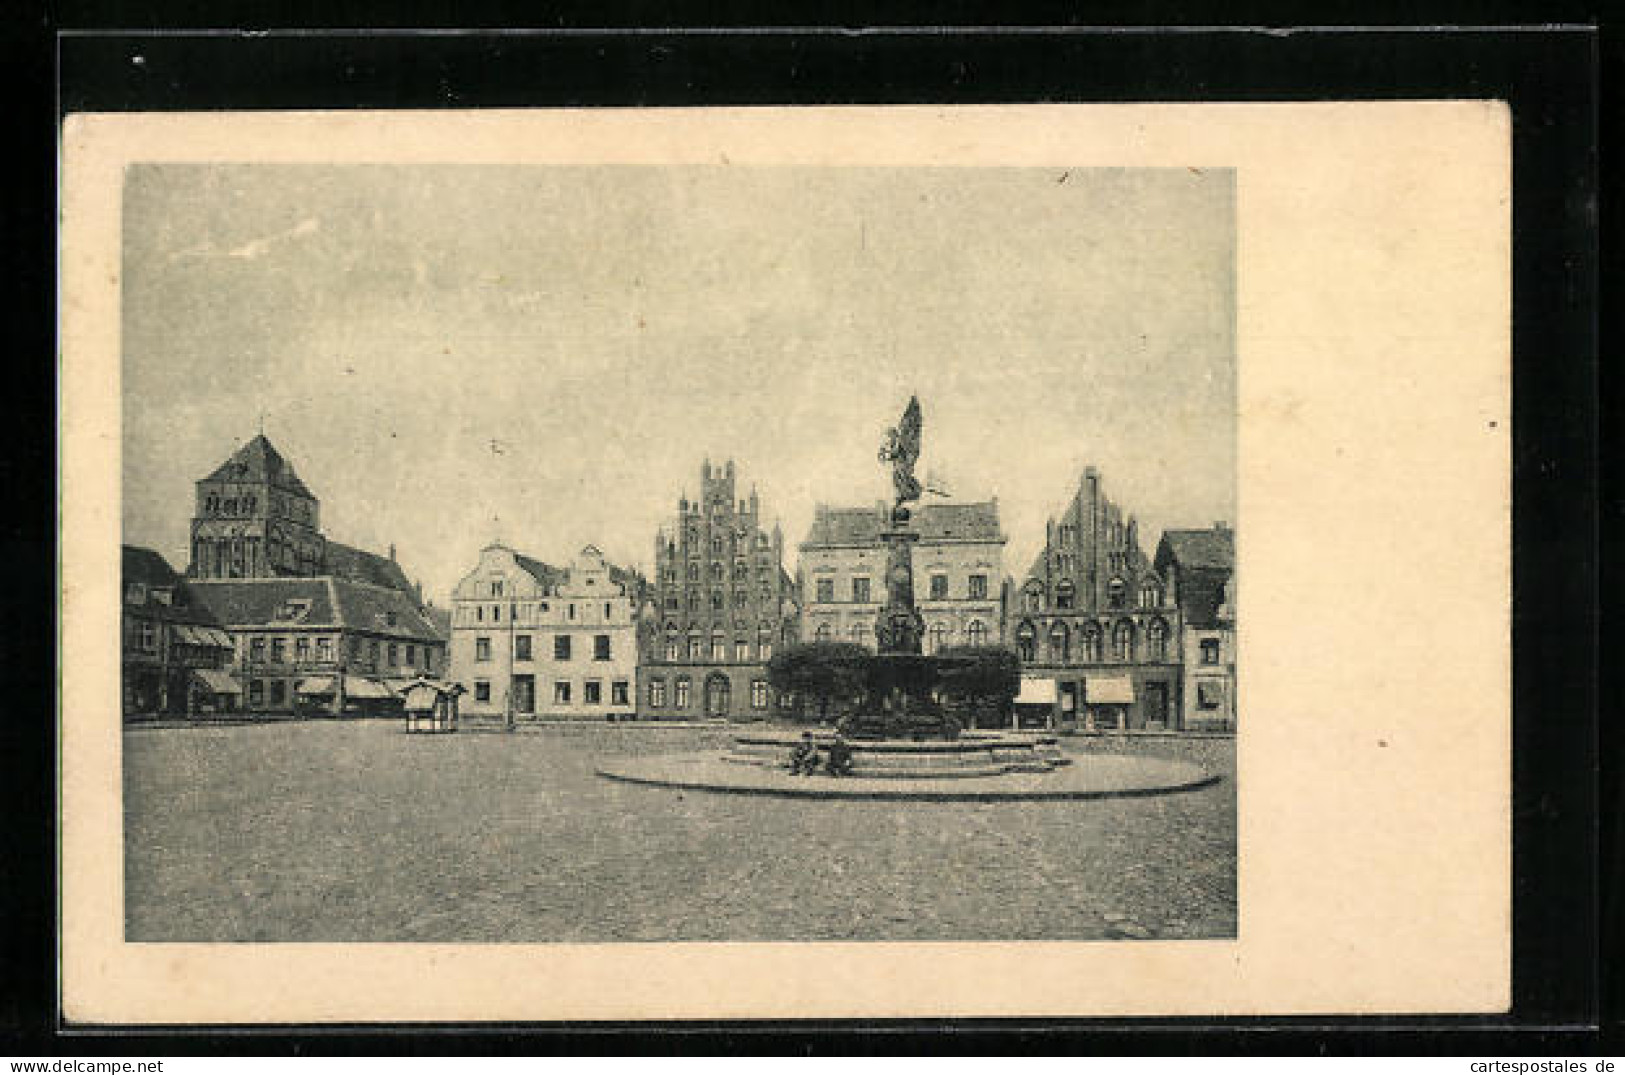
<point>259,461</point>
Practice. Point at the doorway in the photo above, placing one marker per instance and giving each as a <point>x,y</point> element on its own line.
<point>1156,703</point>
<point>717,695</point>
<point>524,695</point>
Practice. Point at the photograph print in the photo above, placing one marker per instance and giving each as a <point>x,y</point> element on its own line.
<point>534,553</point>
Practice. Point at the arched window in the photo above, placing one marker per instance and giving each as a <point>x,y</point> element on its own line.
<point>1156,640</point>
<point>976,633</point>
<point>1066,594</point>
<point>822,634</point>
<point>1149,597</point>
<point>1123,641</point>
<point>1116,594</point>
<point>1026,642</point>
<point>1091,643</point>
<point>1060,644</point>
<point>939,637</point>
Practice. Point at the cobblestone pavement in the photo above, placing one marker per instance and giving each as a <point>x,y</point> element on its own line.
<point>354,831</point>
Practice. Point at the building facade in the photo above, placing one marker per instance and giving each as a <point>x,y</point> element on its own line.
<point>175,656</point>
<point>322,646</point>
<point>958,574</point>
<point>316,625</point>
<point>1200,568</point>
<point>721,603</point>
<point>529,640</point>
<point>1094,624</point>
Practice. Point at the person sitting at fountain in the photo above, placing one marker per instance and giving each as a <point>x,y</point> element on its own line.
<point>840,757</point>
<point>804,758</point>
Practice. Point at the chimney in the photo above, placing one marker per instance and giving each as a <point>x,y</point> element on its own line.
<point>392,552</point>
<point>1221,526</point>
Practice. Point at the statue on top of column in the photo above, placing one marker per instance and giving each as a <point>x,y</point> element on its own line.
<point>902,451</point>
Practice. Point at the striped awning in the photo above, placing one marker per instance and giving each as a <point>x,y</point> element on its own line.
<point>1036,691</point>
<point>1108,690</point>
<point>217,681</point>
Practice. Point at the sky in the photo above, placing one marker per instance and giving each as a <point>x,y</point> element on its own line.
<point>452,354</point>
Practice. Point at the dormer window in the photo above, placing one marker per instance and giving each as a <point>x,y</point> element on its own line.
<point>136,593</point>
<point>293,610</point>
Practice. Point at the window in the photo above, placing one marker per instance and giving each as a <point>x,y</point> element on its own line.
<point>1060,643</point>
<point>1035,598</point>
<point>741,569</point>
<point>279,650</point>
<point>1066,595</point>
<point>521,648</point>
<point>939,587</point>
<point>479,613</point>
<point>976,633</point>
<point>978,587</point>
<point>1026,643</point>
<point>411,654</point>
<point>694,572</point>
<point>394,655</point>
<point>668,576</point>
<point>482,649</point>
<point>716,542</point>
<point>355,648</point>
<point>600,647</point>
<point>136,593</point>
<point>719,650</point>
<point>657,694</point>
<point>939,637</point>
<point>570,612</point>
<point>740,599</point>
<point>671,645</point>
<point>561,647</point>
<point>716,601</point>
<point>822,634</point>
<point>279,692</point>
<point>1156,640</point>
<point>372,652</point>
<point>619,693</point>
<point>858,634</point>
<point>256,692</point>
<point>301,650</point>
<point>482,690</point>
<point>496,588</point>
<point>681,700</point>
<point>1149,597</point>
<point>693,601</point>
<point>1210,651</point>
<point>671,603</point>
<point>860,591</point>
<point>716,571</point>
<point>826,591</point>
<point>592,692</point>
<point>764,643</point>
<point>741,650</point>
<point>1116,593</point>
<point>324,649</point>
<point>149,638</point>
<point>561,692</point>
<point>1209,694</point>
<point>1091,643</point>
<point>1123,641</point>
<point>696,647</point>
<point>758,694</point>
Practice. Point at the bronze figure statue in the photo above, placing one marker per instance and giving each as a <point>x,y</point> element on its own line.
<point>902,451</point>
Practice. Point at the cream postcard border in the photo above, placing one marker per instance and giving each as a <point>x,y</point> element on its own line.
<point>1373,542</point>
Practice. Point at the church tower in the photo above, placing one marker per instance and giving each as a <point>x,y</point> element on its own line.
<point>255,519</point>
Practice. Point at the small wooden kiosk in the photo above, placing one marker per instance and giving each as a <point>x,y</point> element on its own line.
<point>431,706</point>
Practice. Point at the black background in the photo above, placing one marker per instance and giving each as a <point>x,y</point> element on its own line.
<point>1550,78</point>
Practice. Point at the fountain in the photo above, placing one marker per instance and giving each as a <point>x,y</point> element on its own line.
<point>902,742</point>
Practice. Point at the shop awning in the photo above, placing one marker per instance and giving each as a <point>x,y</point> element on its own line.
<point>1108,690</point>
<point>217,681</point>
<point>357,687</point>
<point>1036,692</point>
<point>314,685</point>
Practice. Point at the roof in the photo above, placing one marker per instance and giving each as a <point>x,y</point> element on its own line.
<point>1200,549</point>
<point>546,575</point>
<point>440,619</point>
<point>150,569</point>
<point>322,601</point>
<point>349,562</point>
<point>259,461</point>
<point>933,522</point>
